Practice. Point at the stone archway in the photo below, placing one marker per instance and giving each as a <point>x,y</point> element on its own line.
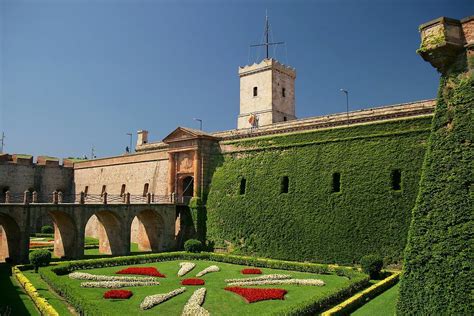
<point>147,231</point>
<point>64,235</point>
<point>109,232</point>
<point>10,239</point>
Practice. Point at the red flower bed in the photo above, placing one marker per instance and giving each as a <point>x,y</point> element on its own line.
<point>118,294</point>
<point>252,295</point>
<point>193,281</point>
<point>251,271</point>
<point>151,271</point>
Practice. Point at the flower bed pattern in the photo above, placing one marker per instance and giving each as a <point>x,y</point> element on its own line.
<point>251,271</point>
<point>117,284</point>
<point>208,270</point>
<point>267,277</point>
<point>150,271</point>
<point>252,295</point>
<point>118,294</point>
<point>193,306</point>
<point>314,282</point>
<point>185,267</point>
<point>193,281</point>
<point>153,300</point>
<point>98,277</point>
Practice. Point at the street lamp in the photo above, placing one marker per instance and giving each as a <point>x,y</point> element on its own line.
<point>347,103</point>
<point>130,148</point>
<point>200,122</point>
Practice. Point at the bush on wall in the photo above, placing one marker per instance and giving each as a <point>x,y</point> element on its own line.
<point>311,222</point>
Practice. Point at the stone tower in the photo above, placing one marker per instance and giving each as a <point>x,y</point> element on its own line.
<point>267,94</point>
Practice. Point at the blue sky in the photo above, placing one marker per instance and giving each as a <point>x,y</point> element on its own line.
<point>76,74</point>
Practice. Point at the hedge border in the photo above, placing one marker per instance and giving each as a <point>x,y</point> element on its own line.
<point>40,302</point>
<point>359,280</point>
<point>361,298</point>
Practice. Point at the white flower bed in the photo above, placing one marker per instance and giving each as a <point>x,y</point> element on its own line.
<point>193,306</point>
<point>95,277</point>
<point>314,282</point>
<point>153,300</point>
<point>208,270</point>
<point>185,268</point>
<point>117,284</point>
<point>267,277</point>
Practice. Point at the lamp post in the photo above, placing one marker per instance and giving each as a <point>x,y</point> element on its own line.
<point>130,148</point>
<point>347,103</point>
<point>200,122</point>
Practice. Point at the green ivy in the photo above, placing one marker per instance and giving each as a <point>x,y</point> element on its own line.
<point>439,258</point>
<point>310,222</point>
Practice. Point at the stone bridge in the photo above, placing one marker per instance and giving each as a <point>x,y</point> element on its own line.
<point>156,228</point>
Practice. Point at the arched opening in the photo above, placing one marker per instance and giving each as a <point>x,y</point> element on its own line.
<point>188,186</point>
<point>106,227</point>
<point>64,235</point>
<point>147,231</point>
<point>9,239</point>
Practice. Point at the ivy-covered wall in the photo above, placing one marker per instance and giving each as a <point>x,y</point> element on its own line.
<point>439,259</point>
<point>311,222</point>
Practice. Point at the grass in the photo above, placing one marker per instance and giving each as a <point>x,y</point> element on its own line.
<point>218,301</point>
<point>384,304</point>
<point>12,297</point>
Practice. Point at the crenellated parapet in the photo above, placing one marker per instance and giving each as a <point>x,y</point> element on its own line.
<point>444,39</point>
<point>267,64</point>
<point>28,160</point>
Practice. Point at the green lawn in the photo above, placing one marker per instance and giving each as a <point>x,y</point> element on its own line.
<point>382,305</point>
<point>218,301</point>
<point>12,297</point>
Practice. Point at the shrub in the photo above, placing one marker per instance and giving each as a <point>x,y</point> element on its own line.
<point>372,265</point>
<point>193,245</point>
<point>47,229</point>
<point>40,258</point>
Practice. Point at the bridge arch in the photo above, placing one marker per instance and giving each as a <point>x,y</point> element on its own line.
<point>10,239</point>
<point>109,232</point>
<point>147,229</point>
<point>65,234</point>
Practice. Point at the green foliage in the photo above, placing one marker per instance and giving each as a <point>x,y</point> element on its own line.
<point>54,277</point>
<point>47,229</point>
<point>40,258</point>
<point>372,265</point>
<point>310,222</point>
<point>439,256</point>
<point>193,245</point>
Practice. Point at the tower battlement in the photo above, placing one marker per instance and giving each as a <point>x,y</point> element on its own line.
<point>267,64</point>
<point>28,160</point>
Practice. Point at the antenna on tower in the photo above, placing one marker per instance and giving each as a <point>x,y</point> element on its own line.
<point>2,143</point>
<point>267,42</point>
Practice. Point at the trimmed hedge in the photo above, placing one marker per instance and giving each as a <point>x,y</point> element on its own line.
<point>439,258</point>
<point>310,222</point>
<point>52,276</point>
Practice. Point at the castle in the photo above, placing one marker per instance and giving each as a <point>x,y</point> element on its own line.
<point>277,186</point>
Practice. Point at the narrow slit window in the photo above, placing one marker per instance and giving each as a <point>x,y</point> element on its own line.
<point>396,180</point>
<point>283,92</point>
<point>122,190</point>
<point>284,184</point>
<point>145,189</point>
<point>104,187</point>
<point>243,184</point>
<point>255,91</point>
<point>336,182</point>
<point>285,119</point>
<point>86,190</point>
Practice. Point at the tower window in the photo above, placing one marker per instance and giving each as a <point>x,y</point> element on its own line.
<point>243,184</point>
<point>396,180</point>
<point>283,92</point>
<point>122,190</point>
<point>145,189</point>
<point>336,182</point>
<point>255,91</point>
<point>284,183</point>
<point>285,118</point>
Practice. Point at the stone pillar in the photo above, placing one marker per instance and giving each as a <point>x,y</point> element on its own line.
<point>197,173</point>
<point>127,198</point>
<point>148,198</point>
<point>82,198</point>
<point>34,197</point>
<point>60,197</point>
<point>171,173</point>
<point>7,197</point>
<point>55,197</point>
<point>26,198</point>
